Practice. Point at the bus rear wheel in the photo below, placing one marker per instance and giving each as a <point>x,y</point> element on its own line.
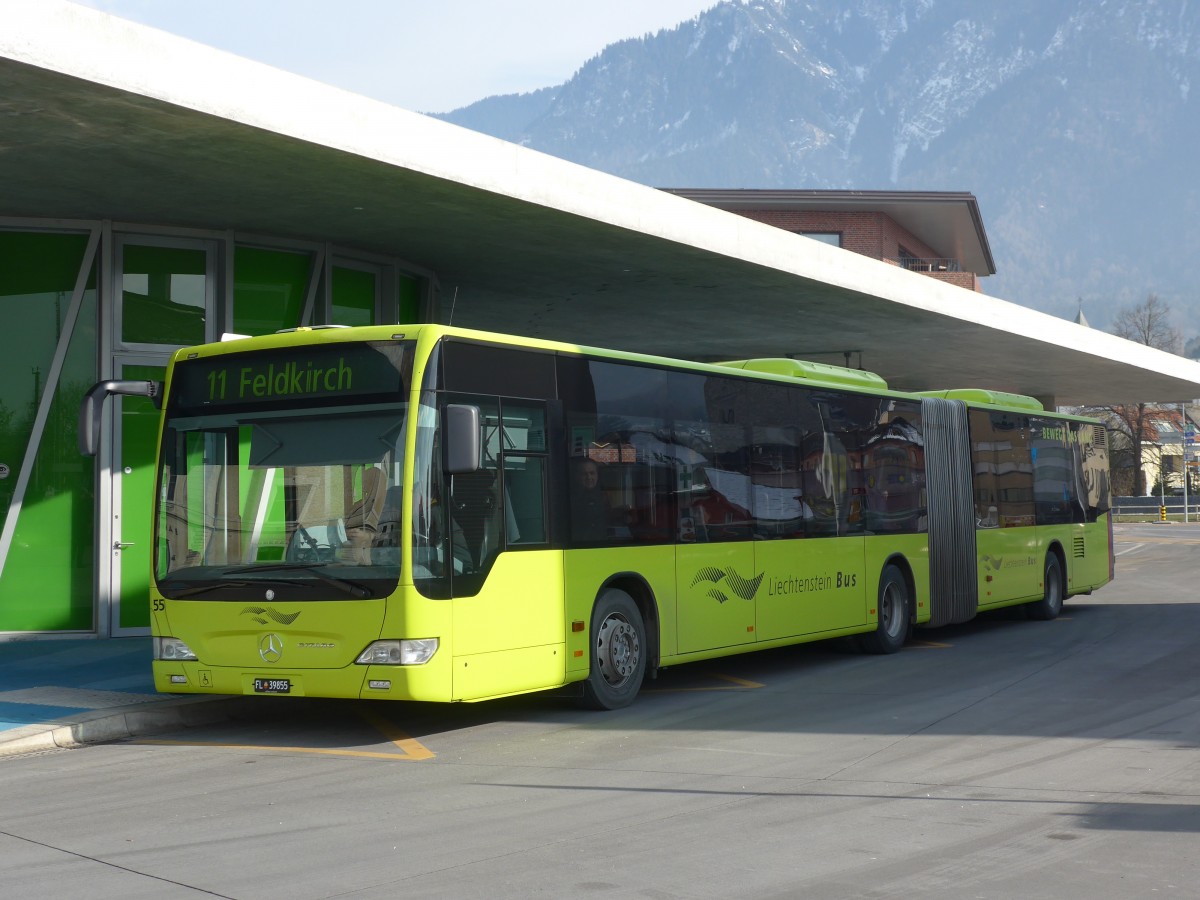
<point>894,610</point>
<point>618,652</point>
<point>1053,595</point>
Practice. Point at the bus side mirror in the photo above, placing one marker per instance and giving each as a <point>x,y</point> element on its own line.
<point>460,438</point>
<point>93,404</point>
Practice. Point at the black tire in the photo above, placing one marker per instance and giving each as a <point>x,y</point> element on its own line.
<point>894,608</point>
<point>1054,594</point>
<point>619,651</point>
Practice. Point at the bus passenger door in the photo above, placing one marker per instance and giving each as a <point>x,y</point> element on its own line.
<point>506,580</point>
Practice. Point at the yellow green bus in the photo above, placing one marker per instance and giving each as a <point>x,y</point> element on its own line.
<point>437,514</point>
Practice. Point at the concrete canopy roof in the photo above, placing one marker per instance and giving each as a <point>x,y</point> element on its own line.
<point>106,119</point>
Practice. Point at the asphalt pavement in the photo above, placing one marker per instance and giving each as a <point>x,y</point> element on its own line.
<point>65,692</point>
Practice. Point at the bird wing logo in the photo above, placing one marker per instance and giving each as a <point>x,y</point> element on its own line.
<point>993,562</point>
<point>257,613</point>
<point>729,579</point>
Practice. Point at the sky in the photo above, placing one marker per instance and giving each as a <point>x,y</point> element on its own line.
<point>423,55</point>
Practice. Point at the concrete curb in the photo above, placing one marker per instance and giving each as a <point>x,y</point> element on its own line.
<point>120,723</point>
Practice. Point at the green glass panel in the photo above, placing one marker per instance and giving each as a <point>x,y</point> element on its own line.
<point>269,288</point>
<point>139,439</point>
<point>263,512</point>
<point>48,576</point>
<point>410,299</point>
<point>353,297</point>
<point>37,276</point>
<point>163,291</point>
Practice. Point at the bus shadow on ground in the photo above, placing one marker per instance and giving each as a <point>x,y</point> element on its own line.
<point>806,688</point>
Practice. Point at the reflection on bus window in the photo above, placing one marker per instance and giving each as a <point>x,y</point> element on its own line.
<point>690,457</point>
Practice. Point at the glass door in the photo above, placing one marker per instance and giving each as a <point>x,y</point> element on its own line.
<point>166,293</point>
<point>132,484</point>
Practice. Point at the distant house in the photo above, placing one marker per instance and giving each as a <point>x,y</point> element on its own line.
<point>1163,451</point>
<point>939,234</point>
<point>1170,425</point>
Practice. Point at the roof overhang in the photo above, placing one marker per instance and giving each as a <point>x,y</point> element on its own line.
<point>106,119</point>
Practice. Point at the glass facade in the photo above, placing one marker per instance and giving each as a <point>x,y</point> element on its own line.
<point>164,295</point>
<point>47,504</point>
<point>353,297</point>
<point>269,289</point>
<point>167,292</point>
<point>139,436</point>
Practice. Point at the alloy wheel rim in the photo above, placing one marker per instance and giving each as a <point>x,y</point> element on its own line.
<point>618,650</point>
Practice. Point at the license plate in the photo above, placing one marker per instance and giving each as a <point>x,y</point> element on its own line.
<point>272,685</point>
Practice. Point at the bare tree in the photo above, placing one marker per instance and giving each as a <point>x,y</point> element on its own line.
<point>1149,323</point>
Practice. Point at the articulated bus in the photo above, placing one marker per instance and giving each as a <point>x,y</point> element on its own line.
<point>437,514</point>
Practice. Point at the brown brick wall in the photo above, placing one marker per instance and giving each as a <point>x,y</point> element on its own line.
<point>872,234</point>
<point>967,280</point>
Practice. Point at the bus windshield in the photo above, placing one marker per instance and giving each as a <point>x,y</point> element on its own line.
<point>296,497</point>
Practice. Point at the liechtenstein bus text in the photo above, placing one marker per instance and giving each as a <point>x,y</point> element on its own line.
<point>449,515</point>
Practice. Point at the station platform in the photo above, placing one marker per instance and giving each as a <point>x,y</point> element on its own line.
<point>62,693</point>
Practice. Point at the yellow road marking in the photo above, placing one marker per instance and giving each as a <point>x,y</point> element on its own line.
<point>927,645</point>
<point>410,749</point>
<point>318,750</point>
<point>735,684</point>
<point>740,682</point>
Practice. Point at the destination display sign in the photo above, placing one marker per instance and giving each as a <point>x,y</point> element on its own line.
<point>293,376</point>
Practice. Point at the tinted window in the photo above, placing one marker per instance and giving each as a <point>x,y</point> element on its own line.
<point>1001,453</point>
<point>1057,486</point>
<point>1091,444</point>
<point>619,442</point>
<point>493,369</point>
<point>893,470</point>
<point>661,456</point>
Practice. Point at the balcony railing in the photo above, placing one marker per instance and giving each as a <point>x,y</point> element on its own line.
<point>934,266</point>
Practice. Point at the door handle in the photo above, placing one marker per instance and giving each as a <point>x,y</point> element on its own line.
<point>121,545</point>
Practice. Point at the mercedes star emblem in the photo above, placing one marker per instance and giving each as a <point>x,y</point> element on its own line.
<point>270,648</point>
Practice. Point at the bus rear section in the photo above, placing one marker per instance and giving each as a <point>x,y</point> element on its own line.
<point>1029,521</point>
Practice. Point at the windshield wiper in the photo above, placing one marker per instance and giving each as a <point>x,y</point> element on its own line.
<point>203,588</point>
<point>353,588</point>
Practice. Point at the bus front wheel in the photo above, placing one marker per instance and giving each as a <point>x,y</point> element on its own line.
<point>618,652</point>
<point>894,613</point>
<point>1051,603</point>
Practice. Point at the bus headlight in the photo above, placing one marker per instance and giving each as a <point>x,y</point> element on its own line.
<point>412,652</point>
<point>172,649</point>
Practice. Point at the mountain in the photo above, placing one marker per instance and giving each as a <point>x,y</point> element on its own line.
<point>1072,122</point>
